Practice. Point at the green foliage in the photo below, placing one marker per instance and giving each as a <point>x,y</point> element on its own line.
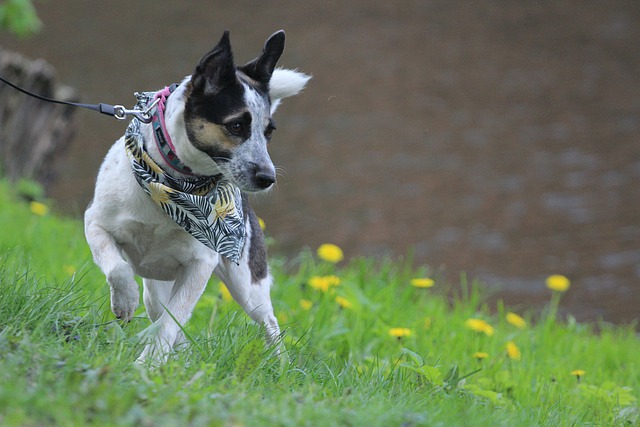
<point>249,359</point>
<point>19,17</point>
<point>29,190</point>
<point>363,347</point>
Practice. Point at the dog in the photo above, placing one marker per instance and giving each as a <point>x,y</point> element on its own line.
<point>170,202</point>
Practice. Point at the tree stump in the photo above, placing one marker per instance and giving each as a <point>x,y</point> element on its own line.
<point>33,133</point>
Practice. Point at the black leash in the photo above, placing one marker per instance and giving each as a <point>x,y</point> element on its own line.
<point>117,111</point>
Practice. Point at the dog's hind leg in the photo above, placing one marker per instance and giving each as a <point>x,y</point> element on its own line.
<point>177,307</point>
<point>156,295</point>
<point>125,293</point>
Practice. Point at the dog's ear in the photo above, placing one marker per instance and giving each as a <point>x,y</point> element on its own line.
<point>261,68</point>
<point>285,83</point>
<point>215,69</point>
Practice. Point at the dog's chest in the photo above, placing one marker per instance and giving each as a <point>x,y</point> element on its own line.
<point>150,241</point>
<point>158,250</point>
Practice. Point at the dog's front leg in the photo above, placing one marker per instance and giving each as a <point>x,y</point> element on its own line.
<point>253,297</point>
<point>167,329</point>
<point>125,294</point>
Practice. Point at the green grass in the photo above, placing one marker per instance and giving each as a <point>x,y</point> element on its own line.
<point>65,361</point>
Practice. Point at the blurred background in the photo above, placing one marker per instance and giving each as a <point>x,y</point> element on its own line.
<point>501,139</point>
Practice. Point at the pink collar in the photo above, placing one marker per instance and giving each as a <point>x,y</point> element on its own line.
<point>163,140</point>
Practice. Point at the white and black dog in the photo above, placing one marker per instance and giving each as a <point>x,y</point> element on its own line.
<point>170,202</point>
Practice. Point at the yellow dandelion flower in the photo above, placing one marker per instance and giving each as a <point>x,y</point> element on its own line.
<point>423,282</point>
<point>399,332</point>
<point>480,355</point>
<point>324,283</point>
<point>558,282</point>
<point>515,320</point>
<point>513,352</point>
<point>263,226</point>
<point>330,253</point>
<point>305,304</point>
<point>224,292</point>
<point>479,325</point>
<point>578,373</point>
<point>343,302</point>
<point>38,208</point>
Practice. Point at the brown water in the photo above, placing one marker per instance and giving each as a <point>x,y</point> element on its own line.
<point>502,139</point>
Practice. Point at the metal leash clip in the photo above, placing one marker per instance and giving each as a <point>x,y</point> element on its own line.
<point>117,111</point>
<point>145,116</point>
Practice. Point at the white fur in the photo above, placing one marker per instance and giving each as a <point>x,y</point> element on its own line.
<point>174,119</point>
<point>285,83</point>
<point>253,151</point>
<point>130,235</point>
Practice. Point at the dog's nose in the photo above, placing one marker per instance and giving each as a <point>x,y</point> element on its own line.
<point>265,178</point>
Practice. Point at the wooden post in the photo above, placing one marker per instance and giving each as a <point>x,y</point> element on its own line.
<point>33,133</point>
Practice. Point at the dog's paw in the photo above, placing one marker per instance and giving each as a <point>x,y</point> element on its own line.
<point>125,295</point>
<point>156,351</point>
<point>151,357</point>
<point>160,340</point>
<point>123,306</point>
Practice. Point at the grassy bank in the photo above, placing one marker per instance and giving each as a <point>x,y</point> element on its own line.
<point>367,344</point>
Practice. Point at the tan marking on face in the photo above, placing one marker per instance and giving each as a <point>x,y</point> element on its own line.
<point>212,135</point>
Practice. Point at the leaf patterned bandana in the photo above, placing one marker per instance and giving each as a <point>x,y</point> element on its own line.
<point>207,207</point>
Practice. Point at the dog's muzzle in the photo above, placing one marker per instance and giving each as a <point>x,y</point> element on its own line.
<point>264,179</point>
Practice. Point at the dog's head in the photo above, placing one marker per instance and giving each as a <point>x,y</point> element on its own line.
<point>228,112</point>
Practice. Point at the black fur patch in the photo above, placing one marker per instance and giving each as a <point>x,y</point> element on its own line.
<point>261,68</point>
<point>216,93</point>
<point>214,109</point>
<point>257,249</point>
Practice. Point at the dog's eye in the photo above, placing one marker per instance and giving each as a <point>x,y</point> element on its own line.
<point>268,132</point>
<point>235,128</point>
